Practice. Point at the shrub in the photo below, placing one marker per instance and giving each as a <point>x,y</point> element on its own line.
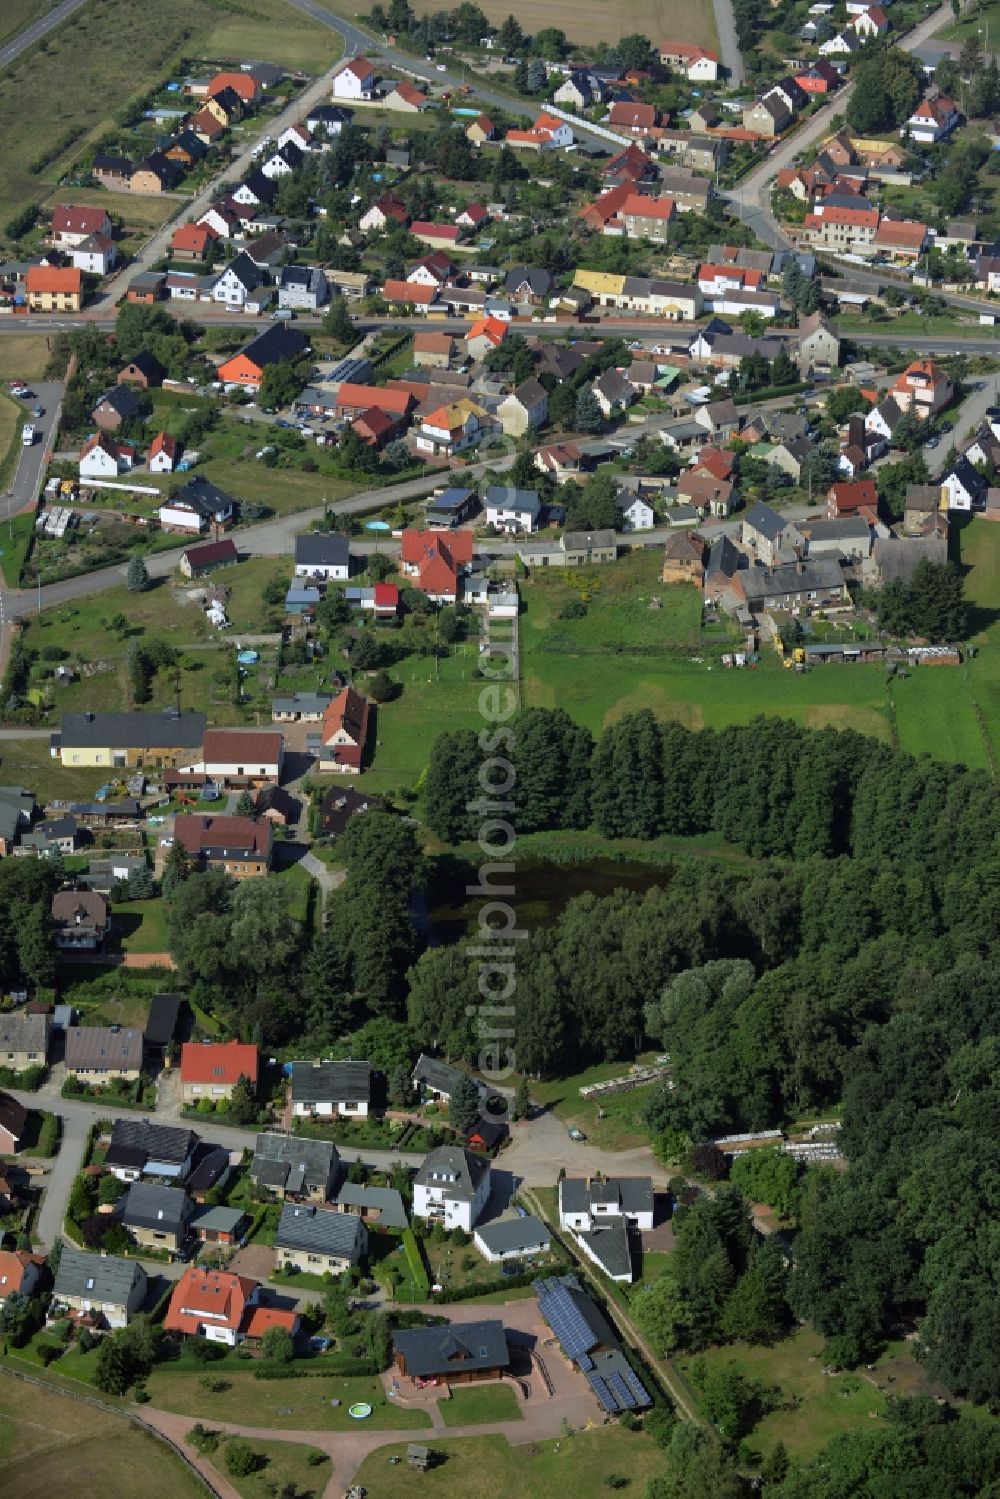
<point>241,1459</point>
<point>47,1354</point>
<point>202,1438</point>
<point>574,608</point>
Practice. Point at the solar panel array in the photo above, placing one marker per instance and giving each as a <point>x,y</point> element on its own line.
<point>567,1322</point>
<point>618,1391</point>
<point>586,1362</point>
<point>602,1392</point>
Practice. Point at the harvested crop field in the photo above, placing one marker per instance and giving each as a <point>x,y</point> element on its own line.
<point>590,21</point>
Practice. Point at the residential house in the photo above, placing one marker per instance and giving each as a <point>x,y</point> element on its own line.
<point>579,91</point>
<point>438,236</point>
<point>450,507</point>
<point>684,559</point>
<point>809,585</point>
<point>410,295</point>
<point>20,1272</point>
<point>561,460</point>
<point>923,388</point>
<point>454,428</point>
<point>356,80</point>
<point>588,548</point>
<point>637,514</point>
<point>207,126</point>
<point>24,1039</point>
<point>883,419</point>
<point>121,404</point>
<point>934,118</point>
<point>526,407</point>
<point>406,97</point>
<point>285,159</point>
<point>141,1148</point>
<point>330,118</point>
<point>237,846</point>
<point>318,1240</point>
<point>527,284</point>
<point>80,921</point>
<point>96,254</point>
<point>451,1187</point>
<point>433,350</point>
<point>697,64</point>
<point>198,562</point>
<point>818,78</point>
<point>587,1204</point>
<point>53,288</point>
<point>922,507</point>
<point>323,555</point>
<point>485,335</point>
<point>104,1288</point>
<point>706,494</point>
<point>155,174</point>
<point>850,539</point>
<point>197,506</point>
<point>386,210</point>
<point>128,741</point>
<point>353,400</point>
<point>846,229</point>
<point>241,757</point>
<point>614,394</point>
<point>638,119</point>
<point>456,1354</point>
<point>688,193</point>
<point>337,809</point>
<point>187,149</point>
<point>276,345</point>
<point>101,457</point>
<point>223,1308</point>
<point>13,1123</point>
<point>767,534</point>
<point>435,1080</point>
<point>870,23</point>
<point>818,345</point>
<point>344,734</point>
<point>381,1205</point>
<point>100,1053</point>
<point>512,1239</point>
<point>157,1217</point>
<point>73,223</point>
<point>844,43</point>
<point>509,509</point>
<point>225,104</point>
<point>848,498</point>
<point>768,116</point>
<point>646,218</point>
<point>112,172</point>
<point>303,287</point>
<point>211,1069</point>
<point>331,1089</point>
<point>903,239</point>
<point>436,560</point>
<point>243,84</point>
<point>480,131</point>
<point>237,284</point>
<point>294,1166</point>
<point>964,487</point>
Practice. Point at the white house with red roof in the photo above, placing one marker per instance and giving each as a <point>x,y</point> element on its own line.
<point>934,118</point>
<point>164,452</point>
<point>473,216</point>
<point>224,1308</point>
<point>485,334</point>
<point>73,223</point>
<point>922,388</point>
<point>872,22</point>
<point>437,560</point>
<point>438,236</point>
<point>211,1069</point>
<point>698,64</point>
<point>357,80</point>
<point>241,756</point>
<point>102,457</point>
<point>386,210</point>
<point>454,428</point>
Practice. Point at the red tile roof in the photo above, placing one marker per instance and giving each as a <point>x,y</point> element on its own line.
<point>424,227</point>
<point>71,218</point>
<point>641,207</point>
<point>242,746</point>
<point>409,291</point>
<point>853,495</point>
<point>218,1061</point>
<point>194,238</point>
<point>53,279</point>
<point>213,1296</point>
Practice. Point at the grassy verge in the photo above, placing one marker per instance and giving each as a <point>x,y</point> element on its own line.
<point>281,1404</point>
<point>473,1405</point>
<point>285,1467</point>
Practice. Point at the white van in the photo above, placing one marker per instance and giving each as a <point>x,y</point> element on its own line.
<point>28,435</point>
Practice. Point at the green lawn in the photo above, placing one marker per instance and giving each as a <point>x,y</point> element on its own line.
<point>24,356</point>
<point>621,1128</point>
<point>283,1465</point>
<point>126,1009</point>
<point>430,703</point>
<point>621,610</point>
<point>476,1405</point>
<point>142,924</point>
<point>483,1467</point>
<point>15,538</point>
<point>282,1404</point>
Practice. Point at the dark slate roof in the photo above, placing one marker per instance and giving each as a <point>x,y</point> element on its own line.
<point>464,1347</point>
<point>792,577</point>
<point>209,1165</point>
<point>609,1245</point>
<point>437,1076</point>
<point>98,1276</point>
<point>275,344</point>
<point>388,1202</point>
<point>322,549</point>
<point>146,1205</point>
<point>538,280</point>
<point>341,1082</point>
<point>158,1142</point>
<point>203,497</point>
<point>458,1170</point>
<point>514,1235</point>
<point>162,730</point>
<point>302,1226</point>
<point>161,1022</point>
<point>763,519</point>
<point>147,364</point>
<point>293,1162</point>
<point>247,271</point>
<point>123,399</point>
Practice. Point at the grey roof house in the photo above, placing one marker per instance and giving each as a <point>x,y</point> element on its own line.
<point>103,1051</point>
<point>315,1239</point>
<point>294,1166</point>
<point>510,1238</point>
<point>457,1354</point>
<point>327,1088</point>
<point>141,1148</point>
<point>109,1289</point>
<point>156,1216</point>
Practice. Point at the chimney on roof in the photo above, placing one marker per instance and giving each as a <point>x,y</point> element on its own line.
<point>798,565</point>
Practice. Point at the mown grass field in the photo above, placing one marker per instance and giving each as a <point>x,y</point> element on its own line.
<point>15,15</point>
<point>23,355</point>
<point>66,96</point>
<point>482,1467</point>
<point>135,210</point>
<point>474,1406</point>
<point>281,1405</point>
<point>285,1467</point>
<point>51,1444</point>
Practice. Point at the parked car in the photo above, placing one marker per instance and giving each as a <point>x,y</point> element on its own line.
<point>576,1134</point>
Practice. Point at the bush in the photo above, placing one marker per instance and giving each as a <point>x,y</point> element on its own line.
<point>241,1459</point>
<point>203,1439</point>
<point>574,608</point>
<point>48,1135</point>
<point>47,1354</point>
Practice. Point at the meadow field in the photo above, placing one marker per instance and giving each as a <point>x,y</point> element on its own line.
<point>52,1444</point>
<point>15,15</point>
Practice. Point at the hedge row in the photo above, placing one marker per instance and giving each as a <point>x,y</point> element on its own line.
<point>415,1261</point>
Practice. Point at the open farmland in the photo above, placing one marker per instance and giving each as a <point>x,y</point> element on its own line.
<point>15,15</point>
<point>58,101</point>
<point>588,21</point>
<point>52,1444</point>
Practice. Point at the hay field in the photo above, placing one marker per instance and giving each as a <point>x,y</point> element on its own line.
<point>588,21</point>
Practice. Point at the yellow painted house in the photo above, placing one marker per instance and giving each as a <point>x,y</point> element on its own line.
<point>129,741</point>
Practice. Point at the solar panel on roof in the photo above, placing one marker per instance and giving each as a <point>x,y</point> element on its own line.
<point>586,1362</point>
<point>625,1397</point>
<point>637,1387</point>
<point>602,1392</point>
<point>566,1321</point>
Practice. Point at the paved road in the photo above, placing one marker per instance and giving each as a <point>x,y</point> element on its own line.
<point>965,421</point>
<point>32,461</point>
<point>725,25</point>
<point>34,33</point>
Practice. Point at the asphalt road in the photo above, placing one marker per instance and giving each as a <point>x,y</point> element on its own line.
<point>732,59</point>
<point>34,33</point>
<point>32,461</point>
<point>965,421</point>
